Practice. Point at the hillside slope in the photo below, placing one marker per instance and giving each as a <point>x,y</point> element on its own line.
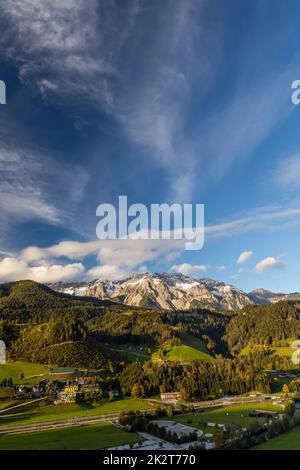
<point>264,325</point>
<point>27,300</point>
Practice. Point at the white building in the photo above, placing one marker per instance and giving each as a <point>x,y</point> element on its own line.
<point>2,352</point>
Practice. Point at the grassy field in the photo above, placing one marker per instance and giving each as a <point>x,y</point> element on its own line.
<point>33,373</point>
<point>228,415</point>
<point>193,342</point>
<point>55,412</point>
<point>287,441</point>
<point>184,353</point>
<point>132,356</point>
<point>285,351</point>
<point>94,437</point>
<point>191,349</point>
<point>7,404</point>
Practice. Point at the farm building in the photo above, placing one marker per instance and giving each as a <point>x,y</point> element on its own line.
<point>263,414</point>
<point>172,396</point>
<point>62,370</point>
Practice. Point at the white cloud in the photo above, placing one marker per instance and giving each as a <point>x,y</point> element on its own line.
<point>189,269</point>
<point>13,269</point>
<point>111,272</point>
<point>116,258</point>
<point>222,267</point>
<point>131,252</point>
<point>119,257</point>
<point>270,262</point>
<point>69,249</point>
<point>244,257</point>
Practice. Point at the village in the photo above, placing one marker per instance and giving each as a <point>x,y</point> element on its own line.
<point>165,422</point>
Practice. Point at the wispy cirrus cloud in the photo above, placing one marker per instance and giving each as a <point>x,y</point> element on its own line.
<point>237,128</point>
<point>286,173</point>
<point>139,64</point>
<point>21,194</point>
<point>266,218</point>
<point>107,56</point>
<point>55,47</point>
<point>32,186</point>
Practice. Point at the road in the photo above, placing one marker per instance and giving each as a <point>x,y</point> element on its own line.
<point>63,423</point>
<point>22,404</point>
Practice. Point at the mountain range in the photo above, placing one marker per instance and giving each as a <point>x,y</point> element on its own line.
<point>172,292</point>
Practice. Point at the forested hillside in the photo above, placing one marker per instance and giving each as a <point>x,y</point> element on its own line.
<point>40,325</point>
<point>155,328</point>
<point>25,301</point>
<point>264,325</point>
<point>198,380</point>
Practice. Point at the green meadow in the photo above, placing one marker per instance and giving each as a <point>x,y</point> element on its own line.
<point>98,436</point>
<point>191,349</point>
<point>131,355</point>
<point>228,415</point>
<point>287,441</point>
<point>32,372</point>
<point>285,351</point>
<point>40,413</point>
<point>184,353</point>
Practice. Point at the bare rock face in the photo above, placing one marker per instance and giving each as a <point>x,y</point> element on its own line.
<point>163,290</point>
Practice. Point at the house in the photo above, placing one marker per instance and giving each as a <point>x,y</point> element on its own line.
<point>22,390</point>
<point>62,370</point>
<point>116,393</point>
<point>2,352</point>
<point>171,396</point>
<point>85,387</point>
<point>68,395</point>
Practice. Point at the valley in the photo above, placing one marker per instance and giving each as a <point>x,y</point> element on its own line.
<point>89,364</point>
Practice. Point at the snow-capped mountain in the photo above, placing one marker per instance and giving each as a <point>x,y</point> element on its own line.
<point>172,292</point>
<point>163,290</point>
<point>263,296</point>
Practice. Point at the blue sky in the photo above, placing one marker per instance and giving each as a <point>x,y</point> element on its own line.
<point>169,101</point>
